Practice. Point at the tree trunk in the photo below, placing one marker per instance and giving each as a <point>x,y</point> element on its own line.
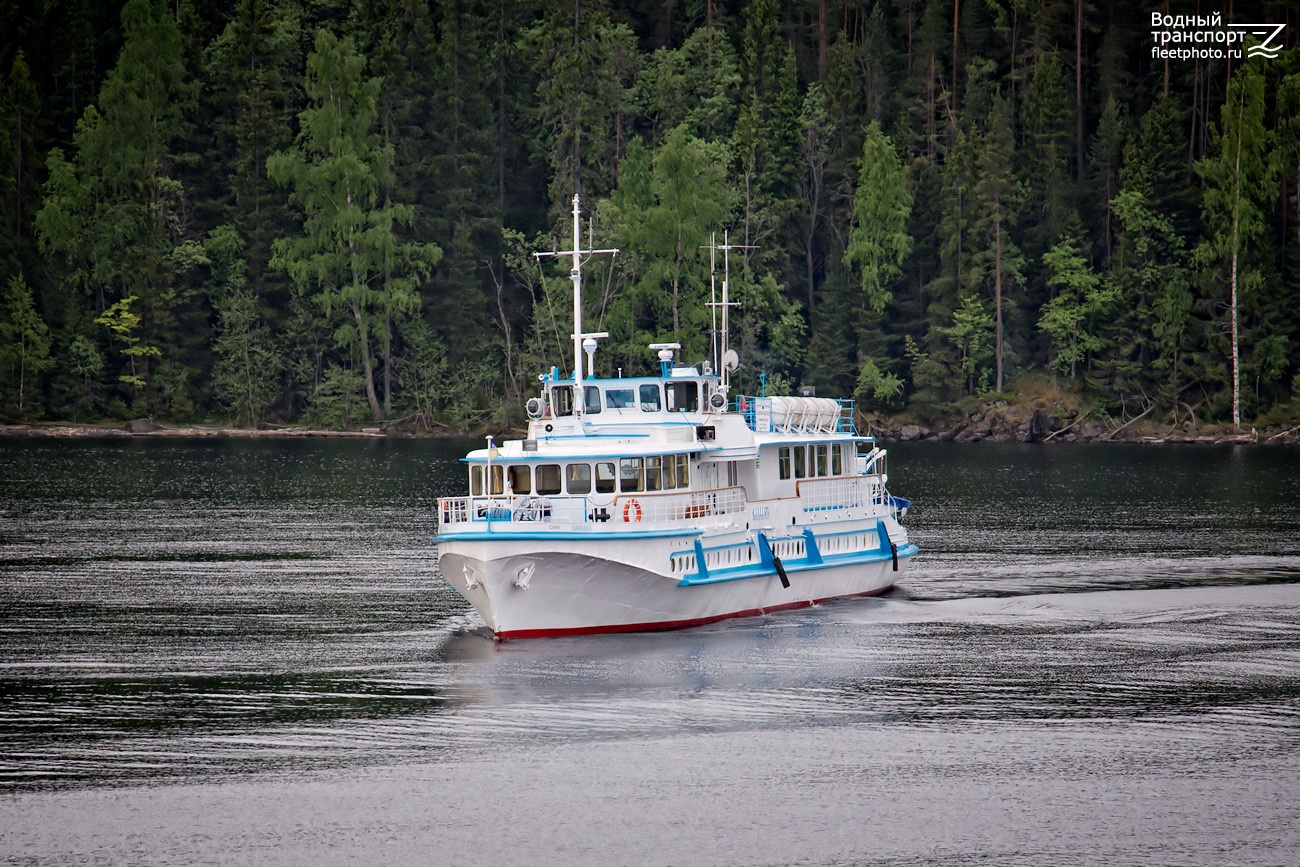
<point>1078,86</point>
<point>956,14</point>
<point>367,365</point>
<point>997,301</point>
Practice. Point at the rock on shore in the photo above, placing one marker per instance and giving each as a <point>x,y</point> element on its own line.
<point>1003,422</point>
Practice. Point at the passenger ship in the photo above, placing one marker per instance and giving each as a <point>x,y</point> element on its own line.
<point>659,502</point>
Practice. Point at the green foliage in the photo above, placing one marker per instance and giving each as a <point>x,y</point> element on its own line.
<point>1241,183</point>
<point>1070,318</point>
<point>972,334</point>
<point>424,377</point>
<point>877,388</point>
<point>245,375</point>
<point>123,324</point>
<point>24,345</point>
<point>350,257</point>
<point>882,204</point>
<point>338,399</point>
<point>584,64</point>
<point>914,174</point>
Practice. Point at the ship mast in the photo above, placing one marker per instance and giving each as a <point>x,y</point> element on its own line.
<point>720,346</point>
<point>575,274</point>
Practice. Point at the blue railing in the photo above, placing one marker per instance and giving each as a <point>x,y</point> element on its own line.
<point>744,405</point>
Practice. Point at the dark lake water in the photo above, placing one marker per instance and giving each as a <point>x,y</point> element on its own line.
<point>235,652</point>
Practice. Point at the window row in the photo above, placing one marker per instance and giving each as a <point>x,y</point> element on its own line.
<point>676,396</point>
<point>810,461</point>
<point>628,475</point>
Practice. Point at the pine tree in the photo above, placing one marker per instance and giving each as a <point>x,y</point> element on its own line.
<point>351,254</point>
<point>585,64</point>
<point>24,344</point>
<point>1081,297</point>
<point>245,375</point>
<point>20,109</point>
<point>997,203</point>
<point>115,215</point>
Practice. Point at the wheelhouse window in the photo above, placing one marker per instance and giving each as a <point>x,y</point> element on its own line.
<point>548,479</point>
<point>683,396</point>
<point>591,405</point>
<point>496,481</point>
<point>823,463</point>
<point>649,393</point>
<point>783,462</point>
<point>520,478</point>
<point>605,478</point>
<point>620,398</point>
<point>837,460</point>
<point>800,462</point>
<point>631,474</point>
<point>577,478</point>
<point>562,400</point>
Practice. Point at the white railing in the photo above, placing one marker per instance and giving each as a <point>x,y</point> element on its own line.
<point>679,505</point>
<point>624,509</point>
<point>817,495</point>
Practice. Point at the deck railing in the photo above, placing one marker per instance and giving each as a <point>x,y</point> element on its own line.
<point>631,508</point>
<point>841,493</point>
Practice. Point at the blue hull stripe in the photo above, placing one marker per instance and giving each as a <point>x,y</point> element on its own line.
<point>760,570</point>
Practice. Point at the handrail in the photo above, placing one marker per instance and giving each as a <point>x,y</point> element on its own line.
<point>843,492</point>
<point>629,508</point>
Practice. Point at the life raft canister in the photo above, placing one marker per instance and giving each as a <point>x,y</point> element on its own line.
<point>631,511</point>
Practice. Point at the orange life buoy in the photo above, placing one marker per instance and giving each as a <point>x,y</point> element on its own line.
<point>631,511</point>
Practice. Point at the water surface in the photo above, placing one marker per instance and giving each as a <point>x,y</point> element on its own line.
<point>227,651</point>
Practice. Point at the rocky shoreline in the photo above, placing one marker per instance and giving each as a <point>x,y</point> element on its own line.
<point>998,422</point>
<point>1001,422</point>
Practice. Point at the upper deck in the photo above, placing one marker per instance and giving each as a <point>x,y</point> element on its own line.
<point>681,404</point>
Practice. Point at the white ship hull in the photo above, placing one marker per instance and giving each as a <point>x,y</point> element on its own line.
<point>530,589</point>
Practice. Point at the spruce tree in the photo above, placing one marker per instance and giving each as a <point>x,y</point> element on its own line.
<point>351,257</point>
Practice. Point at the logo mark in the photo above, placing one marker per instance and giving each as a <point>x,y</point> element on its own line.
<point>1264,49</point>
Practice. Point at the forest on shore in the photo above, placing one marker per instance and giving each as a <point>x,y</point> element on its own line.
<point>323,212</point>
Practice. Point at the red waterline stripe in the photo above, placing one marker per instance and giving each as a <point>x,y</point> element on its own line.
<point>665,625</point>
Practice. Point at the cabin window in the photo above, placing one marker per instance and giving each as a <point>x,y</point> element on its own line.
<point>605,478</point>
<point>521,478</point>
<point>548,479</point>
<point>620,398</point>
<point>631,474</point>
<point>496,480</point>
<point>562,401</point>
<point>670,472</point>
<point>476,481</point>
<point>837,460</point>
<point>823,467</point>
<point>578,478</point>
<point>800,462</point>
<point>654,474</point>
<point>683,471</point>
<point>650,398</point>
<point>783,462</point>
<point>592,404</point>
<point>683,396</point>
